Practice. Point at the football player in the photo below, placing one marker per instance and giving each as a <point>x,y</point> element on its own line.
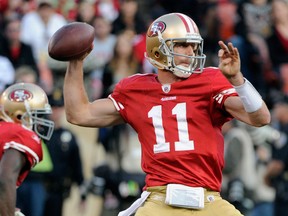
<point>23,107</point>
<point>178,114</point>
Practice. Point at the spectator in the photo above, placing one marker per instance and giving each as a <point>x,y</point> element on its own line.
<point>67,165</point>
<point>212,30</point>
<point>104,43</point>
<point>12,8</point>
<point>25,74</point>
<point>239,173</point>
<point>276,175</point>
<point>278,51</point>
<point>278,40</point>
<point>284,77</point>
<point>263,195</point>
<point>7,73</point>
<point>129,18</point>
<point>252,27</point>
<point>67,8</point>
<point>246,155</point>
<point>122,64</point>
<point>37,28</point>
<point>122,179</point>
<point>188,7</point>
<point>108,9</point>
<point>226,27</point>
<point>86,12</point>
<point>18,52</point>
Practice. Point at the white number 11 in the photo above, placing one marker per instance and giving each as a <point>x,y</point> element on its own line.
<point>184,144</point>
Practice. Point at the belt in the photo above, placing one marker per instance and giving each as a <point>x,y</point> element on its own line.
<point>159,193</point>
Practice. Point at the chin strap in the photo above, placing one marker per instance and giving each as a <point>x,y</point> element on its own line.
<point>180,73</point>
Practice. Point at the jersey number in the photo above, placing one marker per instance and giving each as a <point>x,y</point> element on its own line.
<point>184,144</point>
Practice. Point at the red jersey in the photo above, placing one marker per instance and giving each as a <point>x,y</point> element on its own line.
<point>24,140</point>
<point>178,125</point>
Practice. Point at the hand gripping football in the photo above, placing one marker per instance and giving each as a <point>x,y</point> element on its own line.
<point>71,41</point>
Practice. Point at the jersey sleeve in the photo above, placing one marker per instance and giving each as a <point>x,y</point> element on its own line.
<point>28,143</point>
<point>222,89</point>
<point>118,96</point>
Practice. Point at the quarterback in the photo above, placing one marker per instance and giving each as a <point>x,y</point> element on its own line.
<point>178,114</point>
<point>23,107</point>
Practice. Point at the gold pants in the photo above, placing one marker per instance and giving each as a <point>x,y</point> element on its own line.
<point>214,205</point>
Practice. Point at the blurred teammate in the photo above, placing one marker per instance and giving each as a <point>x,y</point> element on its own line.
<point>22,126</point>
<point>178,114</point>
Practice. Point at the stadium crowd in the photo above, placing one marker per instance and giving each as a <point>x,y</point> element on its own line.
<point>256,170</point>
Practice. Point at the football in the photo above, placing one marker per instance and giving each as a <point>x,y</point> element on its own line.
<point>71,41</point>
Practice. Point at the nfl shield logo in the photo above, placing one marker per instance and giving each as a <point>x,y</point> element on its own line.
<point>166,88</point>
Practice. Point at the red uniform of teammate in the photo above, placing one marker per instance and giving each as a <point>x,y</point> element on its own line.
<point>178,114</point>
<point>24,140</point>
<point>22,125</point>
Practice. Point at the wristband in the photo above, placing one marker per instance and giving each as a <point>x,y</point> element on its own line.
<point>251,99</point>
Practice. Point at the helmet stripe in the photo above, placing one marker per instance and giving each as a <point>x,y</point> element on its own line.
<point>188,22</point>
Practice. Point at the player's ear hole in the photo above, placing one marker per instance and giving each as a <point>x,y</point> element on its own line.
<point>157,54</point>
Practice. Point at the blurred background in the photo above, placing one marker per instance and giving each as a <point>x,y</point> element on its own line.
<point>93,172</point>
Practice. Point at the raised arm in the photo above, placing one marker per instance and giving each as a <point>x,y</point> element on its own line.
<point>249,106</point>
<point>79,110</point>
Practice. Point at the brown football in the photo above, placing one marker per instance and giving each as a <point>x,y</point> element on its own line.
<point>71,41</point>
